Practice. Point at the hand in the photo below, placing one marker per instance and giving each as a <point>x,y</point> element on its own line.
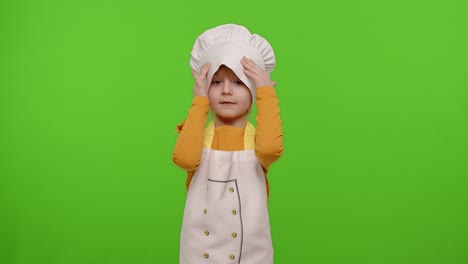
<point>257,74</point>
<point>200,89</point>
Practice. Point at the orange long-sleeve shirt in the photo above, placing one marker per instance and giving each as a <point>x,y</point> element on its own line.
<point>268,134</point>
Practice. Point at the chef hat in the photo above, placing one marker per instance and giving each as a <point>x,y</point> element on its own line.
<point>226,45</point>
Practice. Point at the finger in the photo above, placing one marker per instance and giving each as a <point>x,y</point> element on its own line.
<point>245,61</point>
<point>251,65</point>
<point>250,62</point>
<point>201,72</point>
<point>205,69</point>
<point>195,76</point>
<point>253,69</point>
<point>250,73</point>
<point>199,82</point>
<point>254,72</point>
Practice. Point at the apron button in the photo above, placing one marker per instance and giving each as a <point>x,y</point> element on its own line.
<point>231,189</point>
<point>233,212</point>
<point>207,233</point>
<point>233,234</point>
<point>232,257</point>
<point>206,255</point>
<point>205,211</point>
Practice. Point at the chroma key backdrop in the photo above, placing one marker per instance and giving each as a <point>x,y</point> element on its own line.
<point>373,98</point>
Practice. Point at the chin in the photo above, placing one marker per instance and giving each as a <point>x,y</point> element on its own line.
<point>228,117</point>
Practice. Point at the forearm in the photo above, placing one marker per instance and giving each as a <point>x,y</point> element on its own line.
<point>269,132</point>
<point>188,148</point>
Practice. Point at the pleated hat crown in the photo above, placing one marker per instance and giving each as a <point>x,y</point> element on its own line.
<point>226,45</point>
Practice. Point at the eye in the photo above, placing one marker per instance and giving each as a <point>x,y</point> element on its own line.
<point>238,83</point>
<point>216,82</point>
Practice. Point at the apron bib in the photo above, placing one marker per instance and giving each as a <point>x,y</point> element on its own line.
<point>226,216</point>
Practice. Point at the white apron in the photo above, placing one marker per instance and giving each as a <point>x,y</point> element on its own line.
<point>226,217</point>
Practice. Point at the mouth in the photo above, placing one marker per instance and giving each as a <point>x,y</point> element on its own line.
<point>227,103</point>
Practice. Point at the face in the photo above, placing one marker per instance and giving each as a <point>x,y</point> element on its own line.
<point>230,99</point>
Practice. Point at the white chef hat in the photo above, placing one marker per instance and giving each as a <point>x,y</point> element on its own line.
<point>226,45</point>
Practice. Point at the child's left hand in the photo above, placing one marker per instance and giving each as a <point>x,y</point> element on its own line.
<point>258,75</point>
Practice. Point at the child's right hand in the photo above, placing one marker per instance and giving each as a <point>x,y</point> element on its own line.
<point>200,88</point>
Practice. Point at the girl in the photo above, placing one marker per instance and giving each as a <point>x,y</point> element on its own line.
<point>226,217</point>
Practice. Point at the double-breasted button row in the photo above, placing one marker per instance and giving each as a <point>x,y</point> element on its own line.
<point>233,211</point>
<point>233,234</point>
<point>231,257</point>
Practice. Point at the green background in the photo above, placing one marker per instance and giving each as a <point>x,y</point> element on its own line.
<point>374,102</point>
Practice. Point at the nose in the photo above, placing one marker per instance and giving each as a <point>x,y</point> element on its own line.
<point>227,88</point>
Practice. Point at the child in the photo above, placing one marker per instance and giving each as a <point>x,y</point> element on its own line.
<point>226,217</point>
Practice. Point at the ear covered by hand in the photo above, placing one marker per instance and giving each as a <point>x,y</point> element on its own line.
<point>200,88</point>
